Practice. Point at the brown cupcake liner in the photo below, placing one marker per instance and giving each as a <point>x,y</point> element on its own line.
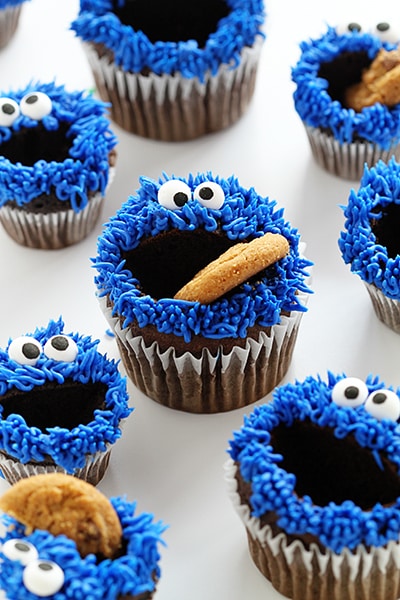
<point>172,107</point>
<point>9,19</point>
<point>346,160</point>
<point>93,471</point>
<point>386,309</point>
<point>212,382</point>
<point>310,573</point>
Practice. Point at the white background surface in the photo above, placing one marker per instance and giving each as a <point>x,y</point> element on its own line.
<point>171,462</point>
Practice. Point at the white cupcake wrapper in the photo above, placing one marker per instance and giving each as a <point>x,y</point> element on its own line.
<point>361,563</point>
<point>346,160</point>
<point>386,309</point>
<point>93,471</point>
<point>9,18</point>
<point>173,107</point>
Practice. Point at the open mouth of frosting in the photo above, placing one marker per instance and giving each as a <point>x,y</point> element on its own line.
<point>186,20</point>
<point>53,405</point>
<point>343,71</point>
<point>329,469</point>
<point>31,144</point>
<point>386,228</point>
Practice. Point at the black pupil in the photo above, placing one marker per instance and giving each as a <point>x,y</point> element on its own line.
<point>354,27</point>
<point>351,392</point>
<point>30,350</point>
<point>379,398</point>
<point>206,193</point>
<point>8,108</point>
<point>59,343</point>
<point>45,566</point>
<point>31,99</point>
<point>383,26</point>
<point>22,547</point>
<point>180,198</point>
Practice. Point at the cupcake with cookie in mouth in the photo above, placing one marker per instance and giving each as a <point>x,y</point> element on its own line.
<point>57,155</point>
<point>348,96</point>
<point>204,284</point>
<point>62,404</point>
<point>315,477</point>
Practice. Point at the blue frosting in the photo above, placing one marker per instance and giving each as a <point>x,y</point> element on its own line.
<point>8,3</point>
<point>380,185</point>
<point>133,50</point>
<point>378,123</point>
<point>67,447</point>
<point>244,214</point>
<point>134,573</point>
<point>337,526</point>
<point>85,170</point>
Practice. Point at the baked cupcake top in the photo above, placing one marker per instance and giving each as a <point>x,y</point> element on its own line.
<point>169,231</point>
<point>171,36</point>
<point>329,65</point>
<point>36,563</point>
<point>53,142</point>
<point>324,458</point>
<point>370,240</point>
<point>91,397</point>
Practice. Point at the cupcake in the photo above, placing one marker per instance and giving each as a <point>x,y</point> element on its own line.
<point>342,95</point>
<point>222,346</point>
<point>56,154</point>
<point>173,70</point>
<point>63,538</point>
<point>10,11</point>
<point>61,405</point>
<point>315,478</point>
<point>369,243</point>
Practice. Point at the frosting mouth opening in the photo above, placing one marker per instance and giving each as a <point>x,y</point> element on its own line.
<point>386,228</point>
<point>329,469</point>
<point>163,264</point>
<point>31,144</point>
<point>343,71</point>
<point>177,20</point>
<point>53,405</point>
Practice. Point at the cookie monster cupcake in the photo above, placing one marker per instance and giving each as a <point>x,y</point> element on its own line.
<point>62,537</point>
<point>173,70</point>
<point>370,241</point>
<point>204,285</point>
<point>56,154</point>
<point>10,11</point>
<point>344,95</point>
<point>315,478</point>
<point>61,405</point>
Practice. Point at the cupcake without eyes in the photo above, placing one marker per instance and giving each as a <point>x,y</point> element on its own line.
<point>173,70</point>
<point>10,11</point>
<point>62,405</point>
<point>57,157</point>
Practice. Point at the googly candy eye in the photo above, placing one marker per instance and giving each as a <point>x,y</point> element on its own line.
<point>19,550</point>
<point>386,32</point>
<point>36,105</point>
<point>9,112</point>
<point>350,391</point>
<point>209,194</point>
<point>43,578</point>
<point>61,348</point>
<point>174,194</point>
<point>25,350</point>
<point>351,27</point>
<point>383,404</point>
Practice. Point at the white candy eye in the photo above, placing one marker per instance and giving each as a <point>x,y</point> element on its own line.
<point>174,194</point>
<point>19,550</point>
<point>61,348</point>
<point>383,404</point>
<point>36,105</point>
<point>386,32</point>
<point>9,112</point>
<point>25,350</point>
<point>352,27</point>
<point>350,391</point>
<point>43,578</point>
<point>210,194</point>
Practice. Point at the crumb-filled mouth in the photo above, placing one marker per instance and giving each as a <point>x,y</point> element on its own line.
<point>386,228</point>
<point>176,21</point>
<point>31,144</point>
<point>343,71</point>
<point>66,405</point>
<point>329,469</point>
